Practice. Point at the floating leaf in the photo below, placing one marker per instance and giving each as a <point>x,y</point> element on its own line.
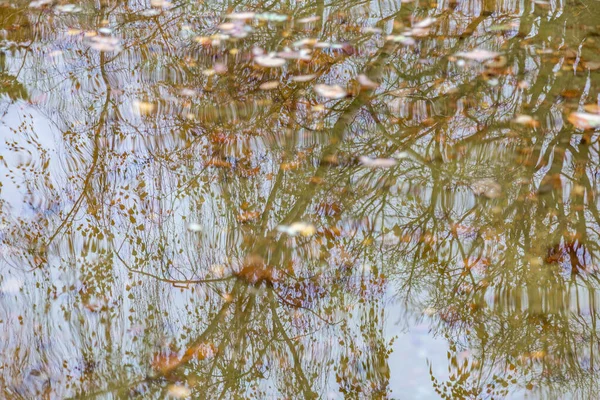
<point>402,39</point>
<point>194,227</point>
<point>526,120</point>
<point>242,16</point>
<point>160,3</point>
<point>271,17</point>
<point>296,228</point>
<point>248,216</point>
<point>592,65</point>
<point>427,22</point>
<point>143,107</point>
<point>218,163</point>
<point>430,311</point>
<point>235,29</point>
<point>478,55</point>
<point>227,26</point>
<point>256,274</point>
<point>307,20</point>
<point>330,91</point>
<point>150,12</point>
<point>323,45</point>
<point>187,92</point>
<point>584,120</point>
<point>498,62</point>
<point>179,391</point>
<point>366,82</point>
<point>505,27</point>
<point>487,188</point>
<point>303,78</point>
<point>105,43</point>
<point>305,42</point>
<point>269,61</point>
<point>592,108</point>
<point>269,85</point>
<point>219,68</point>
<point>377,162</point>
<point>303,54</point>
<point>40,3</point>
<point>68,8</point>
<point>166,361</point>
<point>73,32</point>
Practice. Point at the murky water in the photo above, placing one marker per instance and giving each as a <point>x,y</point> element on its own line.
<point>345,199</point>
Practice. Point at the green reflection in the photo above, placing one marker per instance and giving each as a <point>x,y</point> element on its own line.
<point>200,204</point>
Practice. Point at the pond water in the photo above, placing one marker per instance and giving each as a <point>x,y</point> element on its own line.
<point>299,199</point>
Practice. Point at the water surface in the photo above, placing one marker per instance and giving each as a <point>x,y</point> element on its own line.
<point>305,199</point>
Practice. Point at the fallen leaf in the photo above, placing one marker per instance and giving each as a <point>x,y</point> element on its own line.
<point>241,16</point>
<point>256,274</point>
<point>302,228</point>
<point>40,3</point>
<point>307,20</point>
<point>200,352</point>
<point>487,188</point>
<point>430,311</point>
<point>179,391</point>
<point>303,78</point>
<point>269,85</point>
<point>105,43</point>
<point>570,93</point>
<point>498,62</point>
<point>330,91</point>
<point>526,120</point>
<point>271,17</point>
<point>194,227</point>
<point>377,162</point>
<point>248,216</point>
<point>160,3</point>
<point>302,54</point>
<point>220,68</point>
<point>592,65</point>
<point>235,29</point>
<point>584,120</point>
<point>370,29</point>
<point>366,82</point>
<point>187,92</point>
<point>478,55</point>
<point>227,26</point>
<point>592,108</point>
<point>143,107</point>
<point>402,39</point>
<point>427,22</point>
<point>269,61</point>
<point>150,12</point>
<point>215,162</point>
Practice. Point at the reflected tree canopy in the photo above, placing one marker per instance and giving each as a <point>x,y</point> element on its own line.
<point>215,200</point>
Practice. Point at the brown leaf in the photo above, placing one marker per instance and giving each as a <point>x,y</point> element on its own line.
<point>248,216</point>
<point>214,162</point>
<point>166,362</point>
<point>592,108</point>
<point>584,120</point>
<point>592,65</point>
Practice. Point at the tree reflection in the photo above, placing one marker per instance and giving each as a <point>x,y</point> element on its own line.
<point>121,299</point>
